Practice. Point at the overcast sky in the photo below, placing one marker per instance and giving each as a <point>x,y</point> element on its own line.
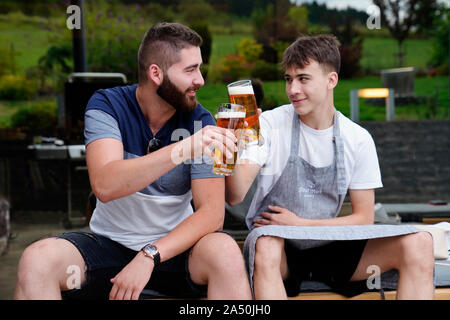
<point>357,4</point>
<point>342,4</point>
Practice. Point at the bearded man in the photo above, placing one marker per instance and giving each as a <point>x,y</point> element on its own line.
<point>145,233</point>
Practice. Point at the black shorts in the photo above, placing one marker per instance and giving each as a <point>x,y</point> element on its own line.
<point>105,258</point>
<point>332,264</point>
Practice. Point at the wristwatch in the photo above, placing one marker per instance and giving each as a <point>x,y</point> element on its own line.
<point>151,251</point>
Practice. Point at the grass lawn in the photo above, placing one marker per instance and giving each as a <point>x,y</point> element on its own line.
<point>223,44</point>
<point>423,87</point>
<point>29,41</point>
<point>379,53</point>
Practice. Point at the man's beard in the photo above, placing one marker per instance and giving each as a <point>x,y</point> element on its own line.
<point>175,97</point>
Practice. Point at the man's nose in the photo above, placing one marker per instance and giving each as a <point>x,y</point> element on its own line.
<point>198,79</point>
<point>295,88</point>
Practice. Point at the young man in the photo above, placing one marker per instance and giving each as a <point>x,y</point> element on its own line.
<point>145,232</point>
<point>311,156</point>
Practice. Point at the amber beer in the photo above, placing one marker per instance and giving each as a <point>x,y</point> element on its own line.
<point>241,92</point>
<point>230,116</point>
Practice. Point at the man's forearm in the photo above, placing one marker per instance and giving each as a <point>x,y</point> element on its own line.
<point>234,192</point>
<point>187,233</point>
<point>120,178</point>
<point>238,184</point>
<point>352,219</point>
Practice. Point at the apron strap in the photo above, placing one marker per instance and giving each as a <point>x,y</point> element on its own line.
<point>339,152</point>
<point>338,148</point>
<point>383,297</point>
<point>295,135</point>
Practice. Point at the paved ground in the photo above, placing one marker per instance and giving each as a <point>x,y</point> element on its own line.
<point>25,229</point>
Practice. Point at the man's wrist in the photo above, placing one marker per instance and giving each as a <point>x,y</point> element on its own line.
<point>145,259</point>
<point>151,252</point>
<point>182,151</point>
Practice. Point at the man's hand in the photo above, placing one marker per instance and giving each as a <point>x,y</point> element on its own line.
<point>247,134</point>
<point>205,141</point>
<point>280,216</point>
<point>129,283</point>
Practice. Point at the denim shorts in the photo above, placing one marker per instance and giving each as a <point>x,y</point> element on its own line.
<point>332,264</point>
<point>105,258</point>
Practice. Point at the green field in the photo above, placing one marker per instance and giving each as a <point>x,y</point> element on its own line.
<point>379,53</point>
<point>31,40</point>
<point>223,44</point>
<point>418,51</point>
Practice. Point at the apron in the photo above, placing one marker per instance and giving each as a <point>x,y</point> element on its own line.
<point>313,193</point>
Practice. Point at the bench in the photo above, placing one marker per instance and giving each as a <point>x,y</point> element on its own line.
<point>312,290</point>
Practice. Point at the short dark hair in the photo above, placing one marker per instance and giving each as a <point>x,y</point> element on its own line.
<point>322,48</point>
<point>162,44</point>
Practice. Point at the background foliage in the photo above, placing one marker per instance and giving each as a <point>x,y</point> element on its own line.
<point>242,39</point>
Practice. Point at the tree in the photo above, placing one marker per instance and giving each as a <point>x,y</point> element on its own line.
<point>298,17</point>
<point>321,14</point>
<point>441,48</point>
<point>350,48</point>
<point>195,11</point>
<point>274,22</point>
<point>400,16</point>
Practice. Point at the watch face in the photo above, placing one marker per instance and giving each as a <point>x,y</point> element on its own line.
<point>151,249</point>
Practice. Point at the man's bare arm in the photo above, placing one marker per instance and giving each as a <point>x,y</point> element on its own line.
<point>362,213</point>
<point>112,177</point>
<point>208,196</point>
<point>237,185</point>
<point>363,202</point>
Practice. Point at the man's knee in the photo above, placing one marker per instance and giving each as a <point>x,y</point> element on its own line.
<point>417,250</point>
<point>219,250</point>
<point>44,260</point>
<point>36,260</point>
<point>268,252</point>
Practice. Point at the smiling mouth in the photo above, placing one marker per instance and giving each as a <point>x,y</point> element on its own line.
<point>192,91</point>
<point>298,100</point>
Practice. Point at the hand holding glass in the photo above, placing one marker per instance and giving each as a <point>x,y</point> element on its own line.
<point>230,116</point>
<point>241,92</point>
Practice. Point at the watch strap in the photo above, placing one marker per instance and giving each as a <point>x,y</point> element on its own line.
<point>156,259</point>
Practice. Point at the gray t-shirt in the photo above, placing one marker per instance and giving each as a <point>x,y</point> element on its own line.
<point>151,213</point>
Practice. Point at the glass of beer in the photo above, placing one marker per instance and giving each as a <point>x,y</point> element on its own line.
<point>241,92</point>
<point>230,116</point>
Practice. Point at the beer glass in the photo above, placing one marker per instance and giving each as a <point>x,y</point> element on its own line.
<point>241,92</point>
<point>230,116</point>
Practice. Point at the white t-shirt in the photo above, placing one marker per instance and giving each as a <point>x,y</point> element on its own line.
<point>316,147</point>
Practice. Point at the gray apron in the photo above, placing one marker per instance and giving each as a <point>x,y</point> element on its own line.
<point>312,193</point>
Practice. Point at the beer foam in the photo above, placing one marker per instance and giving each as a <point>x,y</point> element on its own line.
<point>240,90</point>
<point>231,114</point>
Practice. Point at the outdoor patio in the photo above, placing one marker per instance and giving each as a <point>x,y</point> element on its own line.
<point>54,70</point>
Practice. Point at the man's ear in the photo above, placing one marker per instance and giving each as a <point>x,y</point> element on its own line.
<point>332,80</point>
<point>155,74</point>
